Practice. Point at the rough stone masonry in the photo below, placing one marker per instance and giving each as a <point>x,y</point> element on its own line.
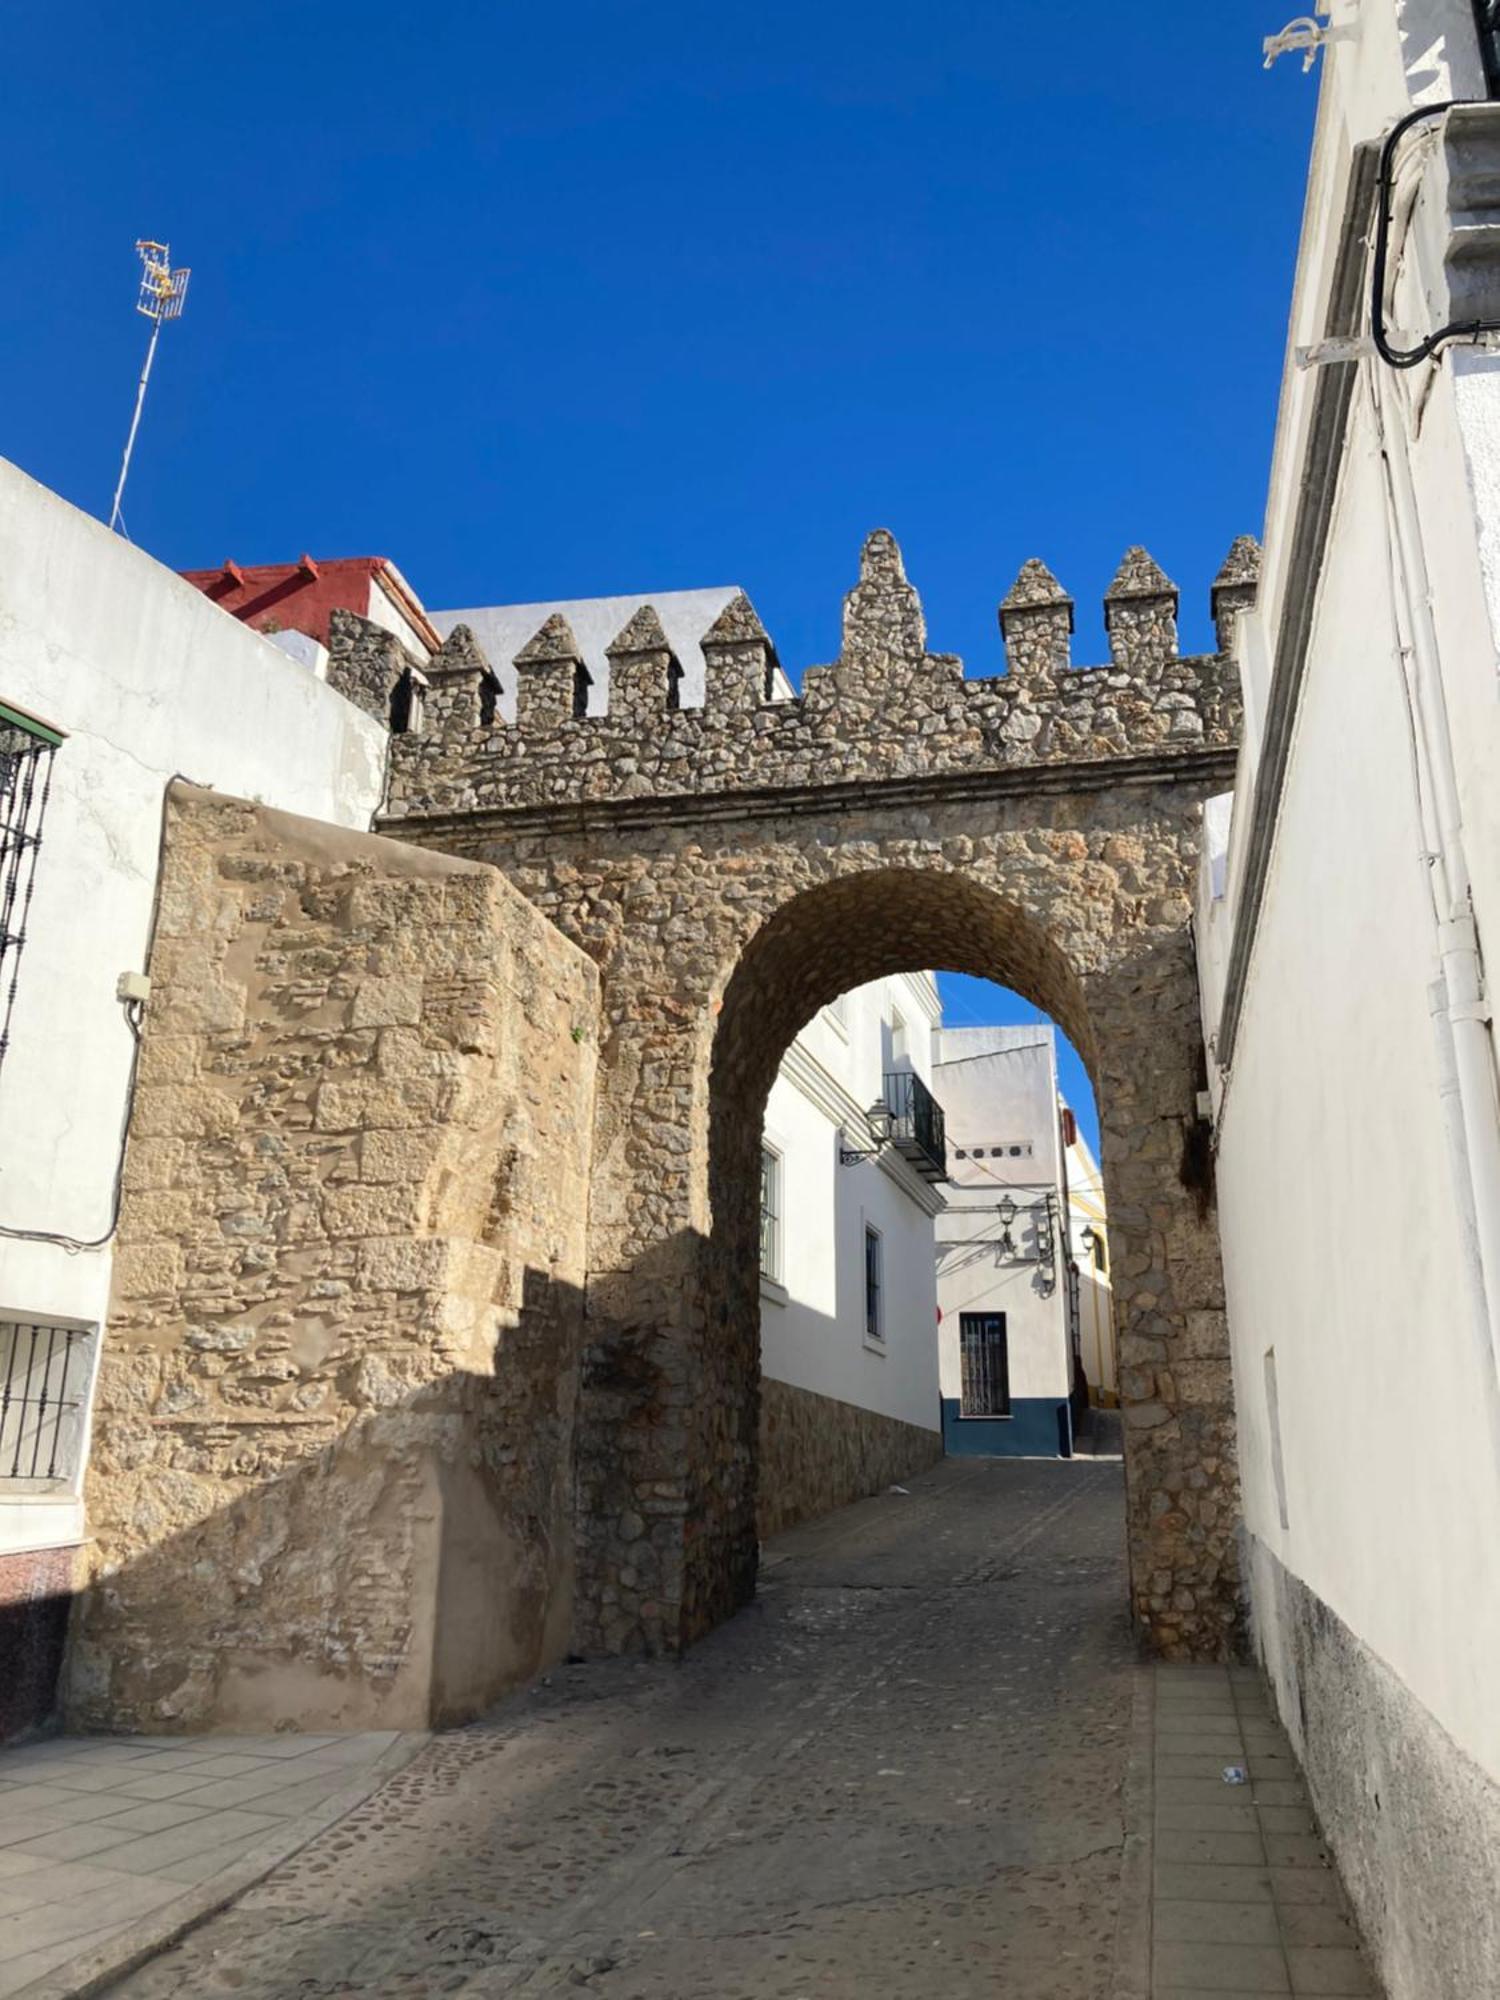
<point>331,1475</point>
<point>731,868</point>
<point>435,1337</point>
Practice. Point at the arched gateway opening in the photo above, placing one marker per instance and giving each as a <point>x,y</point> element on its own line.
<point>731,867</point>
<point>842,933</point>
<point>826,940</point>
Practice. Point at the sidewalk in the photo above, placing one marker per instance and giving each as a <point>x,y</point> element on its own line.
<point>111,1846</point>
<point>1244,1899</point>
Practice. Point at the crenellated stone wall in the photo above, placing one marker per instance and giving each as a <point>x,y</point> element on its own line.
<point>331,1475</point>
<point>887,708</point>
<point>732,868</point>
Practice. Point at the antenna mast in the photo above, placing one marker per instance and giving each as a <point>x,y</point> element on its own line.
<point>161,297</point>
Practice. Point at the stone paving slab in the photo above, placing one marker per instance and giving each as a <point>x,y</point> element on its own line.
<point>1245,1900</point>
<point>112,1847</point>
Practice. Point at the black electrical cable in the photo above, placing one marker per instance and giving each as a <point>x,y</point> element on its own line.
<point>1409,357</point>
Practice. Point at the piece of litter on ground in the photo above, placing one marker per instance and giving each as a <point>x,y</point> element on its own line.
<point>1235,1774</point>
<point>900,1489</point>
<point>890,1772</point>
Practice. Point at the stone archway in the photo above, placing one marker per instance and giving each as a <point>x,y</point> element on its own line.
<point>730,867</point>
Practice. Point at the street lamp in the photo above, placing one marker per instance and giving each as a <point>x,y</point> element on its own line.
<point>880,1119</point>
<point>1007,1211</point>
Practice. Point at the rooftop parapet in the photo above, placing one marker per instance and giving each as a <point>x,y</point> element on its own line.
<point>463,691</point>
<point>739,660</point>
<point>369,666</point>
<point>645,675</point>
<point>1140,614</point>
<point>1036,624</point>
<point>552,679</point>
<point>1234,588</point>
<point>886,709</point>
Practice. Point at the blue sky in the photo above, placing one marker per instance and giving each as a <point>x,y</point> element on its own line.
<point>544,302</point>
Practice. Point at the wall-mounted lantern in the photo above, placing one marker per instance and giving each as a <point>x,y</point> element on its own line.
<point>879,1118</point>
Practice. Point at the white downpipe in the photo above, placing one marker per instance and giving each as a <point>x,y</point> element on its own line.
<point>1462,1014</point>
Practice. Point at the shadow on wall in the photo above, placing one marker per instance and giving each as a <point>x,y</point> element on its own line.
<point>401,1574</point>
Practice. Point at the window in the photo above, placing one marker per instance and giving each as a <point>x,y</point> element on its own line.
<point>900,1041</point>
<point>44,1379</point>
<point>26,752</point>
<point>1097,1248</point>
<point>874,1298</point>
<point>985,1387</point>
<point>770,1214</point>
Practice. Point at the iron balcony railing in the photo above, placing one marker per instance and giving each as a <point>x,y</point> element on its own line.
<point>917,1129</point>
<point>1487,20</point>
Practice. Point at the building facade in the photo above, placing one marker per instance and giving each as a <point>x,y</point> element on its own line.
<point>1024,1311</point>
<point>116,675</point>
<point>1348,926</point>
<point>849,1386</point>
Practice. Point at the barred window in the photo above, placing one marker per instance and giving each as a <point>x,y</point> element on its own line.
<point>44,1380</point>
<point>27,748</point>
<point>985,1355</point>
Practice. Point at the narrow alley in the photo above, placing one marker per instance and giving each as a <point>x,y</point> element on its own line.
<point>919,1764</point>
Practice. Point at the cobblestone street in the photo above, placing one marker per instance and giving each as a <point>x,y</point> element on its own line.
<point>899,1772</point>
<point>914,1767</point>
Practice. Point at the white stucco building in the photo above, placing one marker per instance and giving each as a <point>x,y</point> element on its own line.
<point>1349,931</point>
<point>134,677</point>
<point>848,1292</point>
<point>1017,1271</point>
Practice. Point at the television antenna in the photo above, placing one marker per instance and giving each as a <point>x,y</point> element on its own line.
<point>160,298</point>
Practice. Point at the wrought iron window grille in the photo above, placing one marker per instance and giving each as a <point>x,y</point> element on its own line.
<point>27,748</point>
<point>985,1380</point>
<point>44,1380</point>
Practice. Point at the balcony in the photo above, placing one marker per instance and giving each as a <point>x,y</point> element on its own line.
<point>917,1130</point>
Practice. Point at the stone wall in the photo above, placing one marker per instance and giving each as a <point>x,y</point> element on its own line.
<point>887,708</point>
<point>331,1476</point>
<point>817,1453</point>
<point>734,868</point>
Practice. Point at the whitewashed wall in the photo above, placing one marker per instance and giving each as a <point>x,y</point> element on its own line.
<point>998,1088</point>
<point>148,679</point>
<point>813,1319</point>
<point>1365,1378</point>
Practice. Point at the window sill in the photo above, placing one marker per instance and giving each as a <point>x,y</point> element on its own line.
<point>774,1292</point>
<point>875,1343</point>
<point>1005,1417</point>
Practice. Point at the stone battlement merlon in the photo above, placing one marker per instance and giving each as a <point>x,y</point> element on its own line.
<point>887,708</point>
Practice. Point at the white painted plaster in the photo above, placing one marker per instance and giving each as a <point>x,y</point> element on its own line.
<point>148,678</point>
<point>1345,1248</point>
<point>998,1089</point>
<point>813,1322</point>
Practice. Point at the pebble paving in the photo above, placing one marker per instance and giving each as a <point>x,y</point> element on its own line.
<point>900,1772</point>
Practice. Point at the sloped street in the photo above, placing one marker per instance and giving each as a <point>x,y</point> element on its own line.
<point>899,1772</point>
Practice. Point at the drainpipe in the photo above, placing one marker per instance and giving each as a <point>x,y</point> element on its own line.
<point>1461,1012</point>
